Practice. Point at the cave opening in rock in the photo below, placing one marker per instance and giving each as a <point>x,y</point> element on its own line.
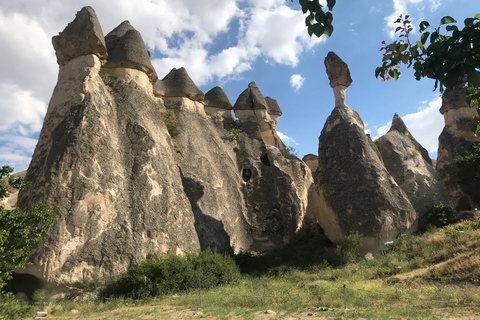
<point>22,285</point>
<point>265,160</point>
<point>246,174</point>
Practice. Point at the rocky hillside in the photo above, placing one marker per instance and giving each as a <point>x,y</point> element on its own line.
<point>134,165</point>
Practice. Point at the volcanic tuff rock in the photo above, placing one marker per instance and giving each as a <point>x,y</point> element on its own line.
<point>130,174</point>
<point>339,76</point>
<point>354,190</point>
<point>177,83</point>
<point>126,49</point>
<point>80,37</point>
<point>411,167</point>
<point>218,106</point>
<point>455,140</point>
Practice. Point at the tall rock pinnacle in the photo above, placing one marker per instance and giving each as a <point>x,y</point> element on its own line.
<point>339,76</point>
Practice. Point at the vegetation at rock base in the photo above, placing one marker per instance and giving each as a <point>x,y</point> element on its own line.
<point>20,231</point>
<point>174,274</point>
<point>440,215</point>
<point>469,165</point>
<point>434,275</point>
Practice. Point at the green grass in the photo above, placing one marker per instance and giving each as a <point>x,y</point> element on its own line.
<point>429,276</point>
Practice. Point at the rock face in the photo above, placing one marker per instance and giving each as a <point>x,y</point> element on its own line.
<point>131,173</point>
<point>252,106</point>
<point>178,84</point>
<point>126,49</point>
<point>354,190</point>
<point>311,161</point>
<point>83,36</point>
<point>107,167</point>
<point>455,140</point>
<point>411,167</point>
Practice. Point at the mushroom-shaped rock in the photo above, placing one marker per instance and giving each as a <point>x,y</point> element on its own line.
<point>455,140</point>
<point>82,36</point>
<point>411,167</point>
<point>339,77</point>
<point>337,71</point>
<point>354,191</point>
<point>126,49</point>
<point>177,83</point>
<point>272,107</point>
<point>217,98</point>
<point>250,99</point>
<point>311,161</point>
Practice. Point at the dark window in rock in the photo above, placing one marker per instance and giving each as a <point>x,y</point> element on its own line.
<point>246,174</point>
<point>23,285</point>
<point>265,160</point>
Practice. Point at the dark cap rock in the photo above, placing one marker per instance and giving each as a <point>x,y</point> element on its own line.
<point>82,36</point>
<point>126,49</point>
<point>177,83</point>
<point>453,99</point>
<point>217,98</point>
<point>273,107</point>
<point>251,98</point>
<point>337,71</point>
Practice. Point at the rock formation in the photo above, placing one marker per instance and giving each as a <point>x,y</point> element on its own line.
<point>339,76</point>
<point>134,166</point>
<point>354,190</point>
<point>105,163</point>
<point>178,84</point>
<point>455,140</point>
<point>311,161</point>
<point>81,37</point>
<point>411,167</point>
<point>126,49</point>
<point>252,106</point>
<point>218,105</point>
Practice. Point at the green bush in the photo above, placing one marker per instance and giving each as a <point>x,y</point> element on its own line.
<point>441,215</point>
<point>12,308</point>
<point>160,276</point>
<point>110,81</point>
<point>349,250</point>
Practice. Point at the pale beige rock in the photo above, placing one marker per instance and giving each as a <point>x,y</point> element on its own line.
<point>311,161</point>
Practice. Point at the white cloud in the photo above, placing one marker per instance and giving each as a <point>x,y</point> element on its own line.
<point>286,138</point>
<point>399,7</point>
<point>434,5</point>
<point>296,81</point>
<point>424,125</point>
<point>194,34</point>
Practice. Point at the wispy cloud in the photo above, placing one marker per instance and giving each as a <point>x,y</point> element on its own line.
<point>286,139</point>
<point>425,125</point>
<point>296,81</point>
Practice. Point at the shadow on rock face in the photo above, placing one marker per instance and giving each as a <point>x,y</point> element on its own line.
<point>211,232</point>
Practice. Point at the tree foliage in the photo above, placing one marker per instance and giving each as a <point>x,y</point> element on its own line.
<point>446,54</point>
<point>469,165</point>
<point>318,21</point>
<point>20,231</point>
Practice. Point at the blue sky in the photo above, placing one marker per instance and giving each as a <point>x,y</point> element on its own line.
<point>231,43</point>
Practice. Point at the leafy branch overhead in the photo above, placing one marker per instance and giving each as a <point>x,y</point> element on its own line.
<point>446,54</point>
<point>318,22</point>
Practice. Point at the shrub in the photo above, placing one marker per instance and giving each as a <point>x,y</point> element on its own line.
<point>441,215</point>
<point>289,152</point>
<point>12,308</point>
<point>110,81</point>
<point>234,133</point>
<point>349,250</point>
<point>160,276</point>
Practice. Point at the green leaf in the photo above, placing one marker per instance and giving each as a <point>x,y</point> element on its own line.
<point>329,17</point>
<point>447,19</point>
<point>309,20</point>
<point>304,4</point>
<point>424,37</point>
<point>473,78</point>
<point>477,16</point>
<point>377,71</point>
<point>310,30</point>
<point>320,17</point>
<point>328,29</point>
<point>424,25</point>
<point>434,36</point>
<point>331,4</point>
<point>318,29</point>
<point>452,28</point>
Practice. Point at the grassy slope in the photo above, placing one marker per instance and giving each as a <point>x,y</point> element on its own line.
<point>431,276</point>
